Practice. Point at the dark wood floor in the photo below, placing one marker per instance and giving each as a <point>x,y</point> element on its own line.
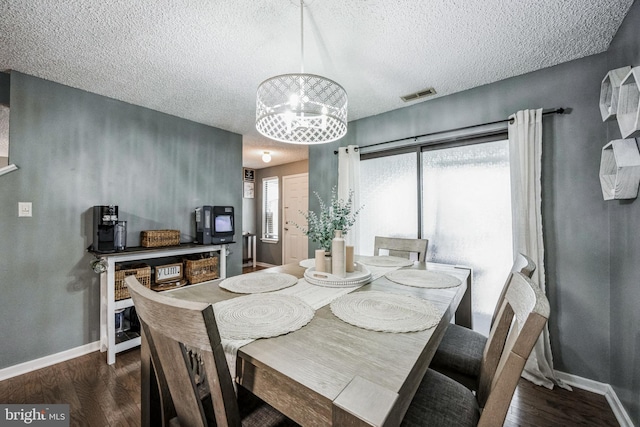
<point>103,395</point>
<point>249,269</point>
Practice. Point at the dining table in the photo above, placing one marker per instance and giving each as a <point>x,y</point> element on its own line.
<point>330,372</point>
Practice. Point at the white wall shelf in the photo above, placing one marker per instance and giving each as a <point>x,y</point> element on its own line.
<point>108,304</point>
<point>609,91</point>
<point>620,169</point>
<point>628,112</point>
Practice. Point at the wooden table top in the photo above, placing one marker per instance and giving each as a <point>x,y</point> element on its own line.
<point>332,373</point>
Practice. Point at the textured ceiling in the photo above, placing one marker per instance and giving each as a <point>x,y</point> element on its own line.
<point>203,60</point>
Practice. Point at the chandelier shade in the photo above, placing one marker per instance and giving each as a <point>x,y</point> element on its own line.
<point>301,109</point>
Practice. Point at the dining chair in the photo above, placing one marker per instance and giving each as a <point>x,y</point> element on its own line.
<point>459,354</point>
<point>441,401</point>
<point>195,386</point>
<point>401,247</point>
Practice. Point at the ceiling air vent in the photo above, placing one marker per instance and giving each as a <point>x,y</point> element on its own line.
<point>413,96</point>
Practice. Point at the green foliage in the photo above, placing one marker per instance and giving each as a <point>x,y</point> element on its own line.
<point>338,215</point>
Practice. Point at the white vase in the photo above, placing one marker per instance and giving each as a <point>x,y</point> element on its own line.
<point>338,255</point>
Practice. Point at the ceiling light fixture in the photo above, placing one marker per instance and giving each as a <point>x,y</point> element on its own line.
<point>301,108</point>
<point>266,157</point>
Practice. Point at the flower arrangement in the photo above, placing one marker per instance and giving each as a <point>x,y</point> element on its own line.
<point>337,215</point>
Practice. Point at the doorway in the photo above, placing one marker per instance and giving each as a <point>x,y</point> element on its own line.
<point>295,200</point>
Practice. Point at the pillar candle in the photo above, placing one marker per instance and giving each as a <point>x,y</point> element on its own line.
<point>349,259</point>
<point>320,263</point>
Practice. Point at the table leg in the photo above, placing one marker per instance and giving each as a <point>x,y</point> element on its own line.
<point>463,314</point>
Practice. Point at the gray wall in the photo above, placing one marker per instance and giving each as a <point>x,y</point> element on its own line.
<point>592,246</point>
<point>76,149</point>
<point>271,253</point>
<point>625,250</point>
<point>576,222</point>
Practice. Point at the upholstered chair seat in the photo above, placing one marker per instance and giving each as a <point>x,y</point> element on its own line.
<point>442,402</point>
<point>459,355</point>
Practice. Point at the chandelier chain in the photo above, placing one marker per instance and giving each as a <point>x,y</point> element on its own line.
<point>301,36</point>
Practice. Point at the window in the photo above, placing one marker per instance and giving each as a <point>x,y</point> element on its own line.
<point>384,179</point>
<point>270,202</point>
<point>466,215</point>
<point>458,196</point>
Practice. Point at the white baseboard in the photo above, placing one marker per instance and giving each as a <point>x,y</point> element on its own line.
<point>264,264</point>
<point>602,389</point>
<point>43,362</point>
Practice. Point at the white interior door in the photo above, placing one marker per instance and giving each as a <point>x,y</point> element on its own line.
<point>295,198</point>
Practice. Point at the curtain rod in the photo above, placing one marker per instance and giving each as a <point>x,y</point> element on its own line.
<point>510,121</point>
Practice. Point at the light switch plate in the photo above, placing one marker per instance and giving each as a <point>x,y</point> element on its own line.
<point>24,209</point>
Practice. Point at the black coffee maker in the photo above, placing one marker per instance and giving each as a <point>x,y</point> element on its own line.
<point>105,220</point>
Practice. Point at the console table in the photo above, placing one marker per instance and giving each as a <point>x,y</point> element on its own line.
<point>108,304</point>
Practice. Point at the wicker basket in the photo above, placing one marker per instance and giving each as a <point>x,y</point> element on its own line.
<point>156,238</point>
<point>201,270</point>
<point>142,273</point>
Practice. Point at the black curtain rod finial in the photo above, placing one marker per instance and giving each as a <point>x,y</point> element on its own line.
<point>336,151</point>
<point>545,112</point>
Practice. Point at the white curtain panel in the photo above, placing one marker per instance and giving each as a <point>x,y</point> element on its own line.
<point>525,151</point>
<point>349,180</point>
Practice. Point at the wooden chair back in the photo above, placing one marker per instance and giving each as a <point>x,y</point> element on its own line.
<point>402,247</point>
<point>521,319</point>
<point>522,264</point>
<point>187,354</point>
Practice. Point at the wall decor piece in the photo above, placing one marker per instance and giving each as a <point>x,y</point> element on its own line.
<point>629,104</point>
<point>620,169</point>
<point>609,91</point>
<point>248,190</point>
<point>249,174</point>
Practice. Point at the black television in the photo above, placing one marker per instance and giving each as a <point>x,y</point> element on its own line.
<point>223,224</point>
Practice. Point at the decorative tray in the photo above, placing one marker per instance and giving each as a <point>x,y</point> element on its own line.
<point>360,276</point>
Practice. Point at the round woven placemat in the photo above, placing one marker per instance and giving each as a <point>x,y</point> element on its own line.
<point>254,283</point>
<point>261,316</point>
<point>385,261</point>
<point>386,312</point>
<point>423,279</point>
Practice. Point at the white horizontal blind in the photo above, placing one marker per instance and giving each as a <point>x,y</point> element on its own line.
<point>270,202</point>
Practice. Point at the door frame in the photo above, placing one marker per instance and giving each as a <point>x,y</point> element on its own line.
<point>284,178</point>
